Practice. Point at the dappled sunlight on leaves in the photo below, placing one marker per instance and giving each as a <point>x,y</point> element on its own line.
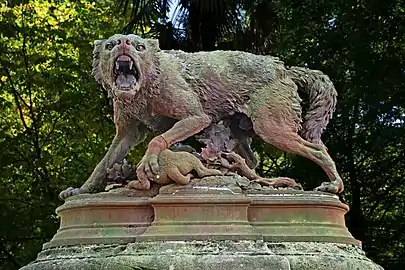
<point>55,121</point>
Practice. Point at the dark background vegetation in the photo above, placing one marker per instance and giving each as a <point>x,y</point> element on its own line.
<point>56,123</point>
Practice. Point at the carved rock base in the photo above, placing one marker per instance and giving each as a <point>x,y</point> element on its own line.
<point>204,255</point>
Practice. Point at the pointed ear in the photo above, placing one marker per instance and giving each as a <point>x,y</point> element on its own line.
<point>96,59</point>
<point>153,43</point>
<point>98,42</point>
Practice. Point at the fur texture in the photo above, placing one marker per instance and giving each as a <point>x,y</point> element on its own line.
<point>178,94</point>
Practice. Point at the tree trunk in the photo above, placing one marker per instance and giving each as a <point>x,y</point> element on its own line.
<point>355,215</point>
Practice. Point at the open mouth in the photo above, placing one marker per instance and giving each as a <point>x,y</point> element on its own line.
<point>126,74</point>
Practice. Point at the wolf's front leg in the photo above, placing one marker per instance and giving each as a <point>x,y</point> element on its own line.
<point>119,148</point>
<point>180,131</point>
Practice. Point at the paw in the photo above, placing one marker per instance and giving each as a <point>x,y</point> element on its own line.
<point>334,187</point>
<point>69,192</point>
<point>148,168</point>
<point>216,172</point>
<point>209,172</point>
<point>279,182</point>
<point>139,185</point>
<point>189,176</point>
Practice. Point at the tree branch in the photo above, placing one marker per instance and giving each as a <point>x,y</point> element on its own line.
<point>52,129</point>
<point>16,98</point>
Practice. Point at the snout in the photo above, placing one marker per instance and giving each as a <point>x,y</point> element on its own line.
<point>124,46</point>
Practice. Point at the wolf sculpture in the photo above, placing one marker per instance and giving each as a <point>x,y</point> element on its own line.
<point>177,95</point>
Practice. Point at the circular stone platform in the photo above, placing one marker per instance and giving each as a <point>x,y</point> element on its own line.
<point>300,216</point>
<point>205,255</point>
<point>219,222</point>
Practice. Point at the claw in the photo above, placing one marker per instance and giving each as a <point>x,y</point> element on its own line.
<point>148,171</point>
<point>140,173</point>
<point>330,187</point>
<point>69,192</point>
<point>154,164</point>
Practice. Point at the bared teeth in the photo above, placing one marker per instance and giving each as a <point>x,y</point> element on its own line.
<point>124,58</point>
<point>124,65</point>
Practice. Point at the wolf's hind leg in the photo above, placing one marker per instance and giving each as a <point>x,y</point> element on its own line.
<point>282,136</point>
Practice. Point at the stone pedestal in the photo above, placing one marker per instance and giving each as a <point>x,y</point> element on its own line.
<point>294,216</point>
<point>101,219</point>
<point>203,226</point>
<point>202,217</point>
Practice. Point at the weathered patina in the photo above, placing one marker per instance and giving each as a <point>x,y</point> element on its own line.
<point>175,167</point>
<point>177,95</point>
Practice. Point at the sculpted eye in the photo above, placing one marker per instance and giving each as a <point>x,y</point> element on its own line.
<point>109,46</point>
<point>140,47</point>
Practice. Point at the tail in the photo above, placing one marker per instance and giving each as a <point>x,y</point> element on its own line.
<point>322,101</point>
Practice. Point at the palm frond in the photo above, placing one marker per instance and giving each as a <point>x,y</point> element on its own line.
<point>144,13</point>
<point>204,23</point>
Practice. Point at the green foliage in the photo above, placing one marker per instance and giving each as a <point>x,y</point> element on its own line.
<point>56,123</point>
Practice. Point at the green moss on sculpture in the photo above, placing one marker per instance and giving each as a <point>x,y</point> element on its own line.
<point>176,167</point>
<point>177,95</point>
<point>202,255</point>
